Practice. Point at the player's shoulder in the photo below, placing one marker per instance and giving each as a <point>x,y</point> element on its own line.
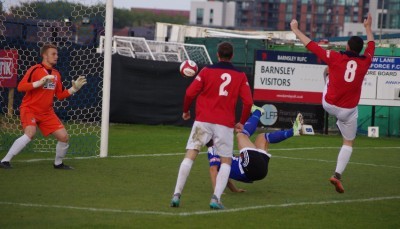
<point>36,66</point>
<point>224,65</point>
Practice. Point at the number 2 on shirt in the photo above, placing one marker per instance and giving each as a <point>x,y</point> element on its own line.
<point>350,73</point>
<point>226,81</point>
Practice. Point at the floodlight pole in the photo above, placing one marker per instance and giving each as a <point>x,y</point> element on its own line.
<point>381,22</point>
<point>105,116</point>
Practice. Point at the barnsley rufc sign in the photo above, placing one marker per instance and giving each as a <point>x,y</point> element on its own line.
<point>288,77</point>
<point>8,68</point>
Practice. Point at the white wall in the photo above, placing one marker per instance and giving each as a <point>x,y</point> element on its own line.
<point>217,19</point>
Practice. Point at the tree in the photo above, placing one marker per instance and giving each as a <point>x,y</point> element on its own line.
<point>59,10</point>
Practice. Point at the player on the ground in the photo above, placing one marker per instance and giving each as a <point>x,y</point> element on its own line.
<point>217,88</point>
<point>343,87</point>
<point>252,162</point>
<point>41,83</point>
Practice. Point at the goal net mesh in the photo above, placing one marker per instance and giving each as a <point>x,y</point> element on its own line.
<point>75,27</point>
<point>140,48</point>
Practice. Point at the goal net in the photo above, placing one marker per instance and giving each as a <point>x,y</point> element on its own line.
<point>75,27</point>
<point>140,48</point>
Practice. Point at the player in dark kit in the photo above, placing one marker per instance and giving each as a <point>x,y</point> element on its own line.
<point>252,162</point>
<point>343,87</point>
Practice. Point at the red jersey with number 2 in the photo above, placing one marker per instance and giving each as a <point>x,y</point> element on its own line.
<point>346,73</point>
<point>218,88</point>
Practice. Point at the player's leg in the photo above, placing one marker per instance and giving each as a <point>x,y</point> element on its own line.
<point>61,148</point>
<point>244,141</point>
<point>263,140</point>
<point>223,141</point>
<point>199,136</point>
<point>221,182</point>
<point>51,124</point>
<point>214,162</point>
<point>249,128</point>
<point>29,124</point>
<point>251,124</point>
<point>347,124</point>
<point>183,174</point>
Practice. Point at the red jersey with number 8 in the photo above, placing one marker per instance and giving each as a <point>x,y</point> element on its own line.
<point>346,73</point>
<point>218,88</point>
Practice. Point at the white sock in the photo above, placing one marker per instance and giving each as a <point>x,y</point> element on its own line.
<point>222,179</point>
<point>61,151</point>
<point>343,158</point>
<point>183,174</point>
<point>17,146</point>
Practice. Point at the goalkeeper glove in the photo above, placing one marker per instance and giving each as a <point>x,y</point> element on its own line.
<point>43,81</point>
<point>77,85</point>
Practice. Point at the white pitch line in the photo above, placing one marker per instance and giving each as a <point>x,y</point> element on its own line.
<point>109,210</point>
<point>292,205</point>
<point>321,160</point>
<point>286,205</point>
<point>282,149</point>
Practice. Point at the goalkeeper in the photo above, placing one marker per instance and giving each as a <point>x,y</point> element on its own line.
<point>41,83</point>
<point>252,163</point>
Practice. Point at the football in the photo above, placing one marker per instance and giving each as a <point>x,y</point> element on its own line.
<point>188,68</point>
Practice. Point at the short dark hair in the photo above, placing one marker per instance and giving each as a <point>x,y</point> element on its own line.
<point>356,44</point>
<point>225,50</point>
<point>46,47</point>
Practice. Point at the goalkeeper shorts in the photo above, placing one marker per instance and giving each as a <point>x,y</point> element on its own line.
<point>47,122</point>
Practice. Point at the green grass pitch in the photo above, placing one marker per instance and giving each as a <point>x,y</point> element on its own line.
<point>132,187</point>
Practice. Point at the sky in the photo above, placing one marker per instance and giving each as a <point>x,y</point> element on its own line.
<point>155,4</point>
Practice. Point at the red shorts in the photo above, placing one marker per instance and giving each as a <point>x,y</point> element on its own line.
<point>47,122</point>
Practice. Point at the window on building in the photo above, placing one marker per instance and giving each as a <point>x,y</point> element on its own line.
<point>199,16</point>
<point>383,3</point>
<point>382,20</point>
<point>308,18</point>
<point>288,17</point>
<point>395,22</point>
<point>289,8</point>
<point>211,21</point>
<point>321,9</point>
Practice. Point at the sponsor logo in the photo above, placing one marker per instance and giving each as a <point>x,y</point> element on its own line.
<point>6,68</point>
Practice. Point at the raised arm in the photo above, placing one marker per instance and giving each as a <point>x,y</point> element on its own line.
<point>294,25</point>
<point>367,25</point>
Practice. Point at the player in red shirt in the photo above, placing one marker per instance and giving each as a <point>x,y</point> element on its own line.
<point>41,83</point>
<point>343,88</point>
<point>217,88</point>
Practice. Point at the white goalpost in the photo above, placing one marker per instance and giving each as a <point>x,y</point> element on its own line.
<point>75,27</point>
<point>107,79</point>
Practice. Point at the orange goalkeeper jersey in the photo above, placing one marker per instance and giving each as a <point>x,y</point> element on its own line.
<point>40,100</point>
